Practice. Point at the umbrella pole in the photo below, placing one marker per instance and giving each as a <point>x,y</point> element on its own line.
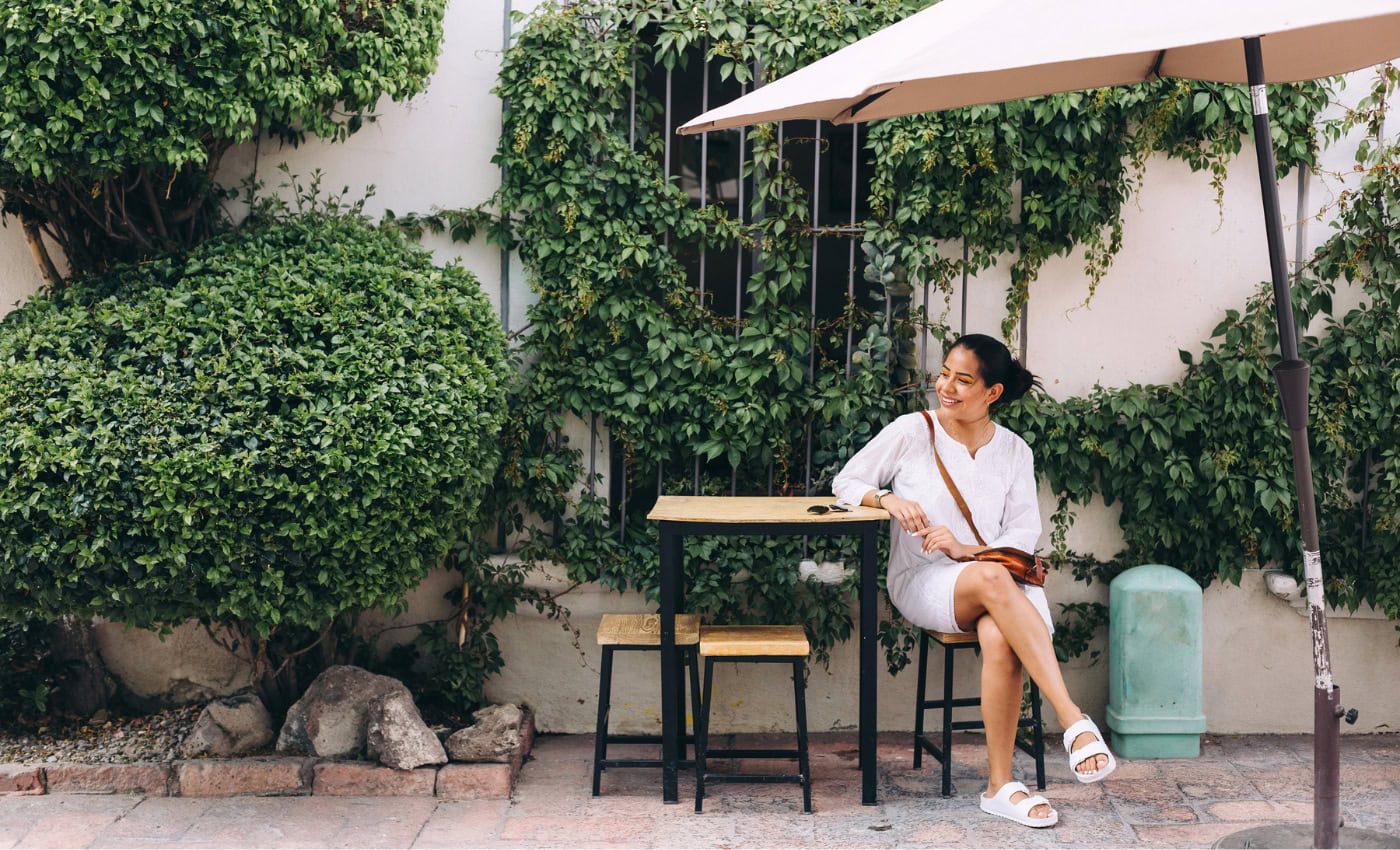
<point>1292,376</point>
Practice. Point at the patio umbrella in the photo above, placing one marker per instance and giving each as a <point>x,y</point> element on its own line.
<point>965,52</point>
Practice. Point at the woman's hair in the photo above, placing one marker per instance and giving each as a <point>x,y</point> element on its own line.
<point>998,367</point>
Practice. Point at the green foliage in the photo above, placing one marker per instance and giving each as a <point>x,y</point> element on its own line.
<point>1202,469</point>
<point>446,666</point>
<point>292,422</point>
<point>698,399</point>
<point>29,674</point>
<point>115,114</point>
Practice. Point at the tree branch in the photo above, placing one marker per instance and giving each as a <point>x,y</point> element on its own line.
<point>40,252</point>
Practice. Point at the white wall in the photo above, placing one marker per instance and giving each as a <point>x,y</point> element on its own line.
<point>1184,262</point>
<point>19,276</point>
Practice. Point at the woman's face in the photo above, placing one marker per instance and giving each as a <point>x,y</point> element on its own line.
<point>961,390</point>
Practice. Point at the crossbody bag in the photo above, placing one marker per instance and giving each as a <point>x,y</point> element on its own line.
<point>1025,567</point>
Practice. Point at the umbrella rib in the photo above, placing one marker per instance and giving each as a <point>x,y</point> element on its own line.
<point>1156,71</point>
<point>854,111</point>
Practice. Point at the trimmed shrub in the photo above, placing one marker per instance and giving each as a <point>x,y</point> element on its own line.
<point>292,422</point>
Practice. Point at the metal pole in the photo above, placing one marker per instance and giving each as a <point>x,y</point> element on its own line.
<point>1292,376</point>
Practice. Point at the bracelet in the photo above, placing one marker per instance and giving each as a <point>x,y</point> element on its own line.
<point>880,497</point>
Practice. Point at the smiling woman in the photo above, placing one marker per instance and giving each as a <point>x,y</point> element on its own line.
<point>936,579</point>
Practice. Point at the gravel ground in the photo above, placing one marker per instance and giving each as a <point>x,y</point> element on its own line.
<point>101,739</point>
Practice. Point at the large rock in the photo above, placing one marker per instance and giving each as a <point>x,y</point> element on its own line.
<point>397,737</point>
<point>330,719</point>
<point>494,737</point>
<point>233,726</point>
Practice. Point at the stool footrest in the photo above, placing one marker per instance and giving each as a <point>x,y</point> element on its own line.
<point>960,702</point>
<point>759,778</point>
<point>643,739</point>
<point>714,752</point>
<point>606,763</point>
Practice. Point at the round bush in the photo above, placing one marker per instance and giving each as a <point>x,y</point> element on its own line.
<point>292,421</point>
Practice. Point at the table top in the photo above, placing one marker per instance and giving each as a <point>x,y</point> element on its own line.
<point>756,509</point>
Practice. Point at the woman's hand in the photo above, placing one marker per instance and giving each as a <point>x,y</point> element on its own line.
<point>939,538</point>
<point>907,512</point>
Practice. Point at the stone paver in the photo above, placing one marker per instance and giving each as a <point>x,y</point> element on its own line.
<point>1237,784</point>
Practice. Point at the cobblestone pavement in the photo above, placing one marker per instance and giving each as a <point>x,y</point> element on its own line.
<point>1238,783</point>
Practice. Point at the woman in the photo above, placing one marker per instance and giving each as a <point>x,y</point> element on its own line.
<point>934,578</point>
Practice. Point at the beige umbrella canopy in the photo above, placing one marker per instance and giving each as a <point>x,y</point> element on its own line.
<point>965,52</point>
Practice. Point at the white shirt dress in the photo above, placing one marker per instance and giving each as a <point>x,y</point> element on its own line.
<point>998,486</point>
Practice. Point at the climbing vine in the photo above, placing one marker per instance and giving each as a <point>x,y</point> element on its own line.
<point>700,401</point>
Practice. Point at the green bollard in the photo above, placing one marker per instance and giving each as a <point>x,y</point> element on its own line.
<point>1154,663</point>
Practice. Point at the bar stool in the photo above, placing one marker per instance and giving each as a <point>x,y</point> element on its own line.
<point>754,644</point>
<point>951,643</point>
<point>638,632</point>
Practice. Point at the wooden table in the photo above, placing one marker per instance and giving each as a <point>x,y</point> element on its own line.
<point>681,516</point>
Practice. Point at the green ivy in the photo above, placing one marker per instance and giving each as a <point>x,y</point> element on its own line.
<point>705,401</point>
<point>1202,469</point>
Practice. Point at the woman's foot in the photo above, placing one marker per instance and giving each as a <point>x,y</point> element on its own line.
<point>1014,802</point>
<point>1092,764</point>
<point>1089,756</point>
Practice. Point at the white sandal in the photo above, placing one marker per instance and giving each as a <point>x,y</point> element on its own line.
<point>1088,751</point>
<point>1000,804</point>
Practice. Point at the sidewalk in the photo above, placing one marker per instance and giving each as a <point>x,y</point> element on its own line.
<point>1238,783</point>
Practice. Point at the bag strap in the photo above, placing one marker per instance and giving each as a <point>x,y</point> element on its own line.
<point>948,480</point>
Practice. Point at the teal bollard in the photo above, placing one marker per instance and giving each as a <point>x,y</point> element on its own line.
<point>1154,663</point>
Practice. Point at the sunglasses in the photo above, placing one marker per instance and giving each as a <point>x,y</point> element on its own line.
<point>821,509</point>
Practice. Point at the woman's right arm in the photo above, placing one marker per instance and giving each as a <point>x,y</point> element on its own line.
<point>874,467</point>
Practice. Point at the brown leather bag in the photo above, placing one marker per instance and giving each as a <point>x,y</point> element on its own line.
<point>1025,567</point>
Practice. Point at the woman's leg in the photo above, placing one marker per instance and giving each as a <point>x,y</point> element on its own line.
<point>1001,708</point>
<point>985,588</point>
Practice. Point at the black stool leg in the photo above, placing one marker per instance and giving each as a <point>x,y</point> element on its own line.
<point>804,767</point>
<point>600,734</point>
<point>920,697</point>
<point>692,655</point>
<point>947,720</point>
<point>702,733</point>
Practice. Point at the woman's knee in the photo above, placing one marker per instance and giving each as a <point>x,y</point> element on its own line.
<point>996,652</point>
<point>989,580</point>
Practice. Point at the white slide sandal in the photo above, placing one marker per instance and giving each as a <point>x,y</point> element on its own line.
<point>1098,748</point>
<point>1000,804</point>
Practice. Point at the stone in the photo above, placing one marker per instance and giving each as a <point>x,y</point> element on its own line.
<point>397,737</point>
<point>331,719</point>
<point>359,779</point>
<point>475,781</point>
<point>145,779</point>
<point>246,776</point>
<point>232,726</point>
<point>20,780</point>
<point>494,737</point>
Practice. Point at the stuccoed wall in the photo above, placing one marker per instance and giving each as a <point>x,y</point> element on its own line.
<point>1184,262</point>
<point>1257,669</point>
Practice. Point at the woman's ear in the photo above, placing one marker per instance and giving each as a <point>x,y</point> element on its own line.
<point>994,392</point>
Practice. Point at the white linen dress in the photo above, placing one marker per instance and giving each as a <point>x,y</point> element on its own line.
<point>998,486</point>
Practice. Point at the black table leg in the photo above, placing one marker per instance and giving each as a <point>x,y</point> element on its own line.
<point>869,618</point>
<point>671,553</point>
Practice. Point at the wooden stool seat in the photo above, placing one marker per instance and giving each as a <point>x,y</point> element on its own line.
<point>951,642</point>
<point>952,638</point>
<point>759,645</point>
<point>731,641</point>
<point>645,630</point>
<point>639,632</point>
